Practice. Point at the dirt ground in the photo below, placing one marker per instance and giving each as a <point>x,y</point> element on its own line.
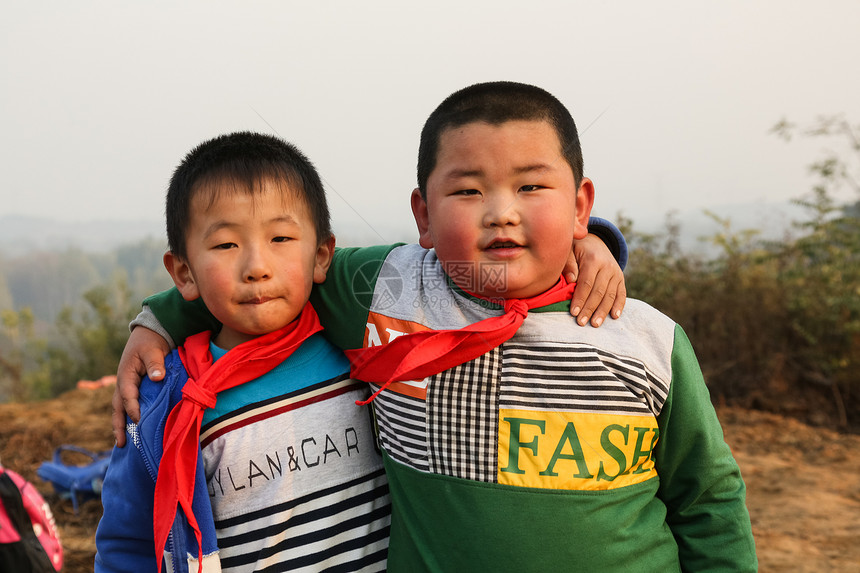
<point>803,482</point>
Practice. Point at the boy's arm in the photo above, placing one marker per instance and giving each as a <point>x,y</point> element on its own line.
<point>178,317</point>
<point>700,481</point>
<point>342,302</point>
<point>596,262</point>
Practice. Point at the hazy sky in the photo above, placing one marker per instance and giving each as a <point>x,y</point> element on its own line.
<point>674,100</point>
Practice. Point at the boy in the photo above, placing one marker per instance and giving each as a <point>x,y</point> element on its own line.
<point>513,441</point>
<point>284,470</point>
<point>559,447</point>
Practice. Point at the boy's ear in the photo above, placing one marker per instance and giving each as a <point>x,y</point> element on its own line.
<point>584,203</point>
<point>422,219</point>
<point>322,262</point>
<point>181,274</point>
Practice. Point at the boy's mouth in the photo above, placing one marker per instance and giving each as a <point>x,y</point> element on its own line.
<point>503,244</point>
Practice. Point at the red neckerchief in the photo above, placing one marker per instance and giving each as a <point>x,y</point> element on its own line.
<point>247,361</point>
<point>417,355</point>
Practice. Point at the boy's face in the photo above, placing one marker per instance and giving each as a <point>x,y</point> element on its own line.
<point>502,208</point>
<point>252,258</point>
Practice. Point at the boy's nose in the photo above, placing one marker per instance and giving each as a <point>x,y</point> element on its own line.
<point>256,267</point>
<point>501,211</point>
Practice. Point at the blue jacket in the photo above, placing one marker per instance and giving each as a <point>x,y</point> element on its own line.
<point>124,542</point>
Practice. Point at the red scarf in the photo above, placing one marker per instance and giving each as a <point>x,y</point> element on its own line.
<point>245,362</point>
<point>417,355</point>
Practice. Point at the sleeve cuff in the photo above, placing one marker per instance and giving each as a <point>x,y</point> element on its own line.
<point>612,237</point>
<point>147,319</point>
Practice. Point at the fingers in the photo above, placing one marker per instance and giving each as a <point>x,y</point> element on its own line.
<point>153,358</point>
<point>601,300</point>
<point>571,269</point>
<point>143,356</point>
<point>128,376</point>
<point>584,285</point>
<point>600,288</point>
<point>128,398</point>
<point>620,299</point>
<point>118,419</point>
<point>599,293</point>
<point>590,292</point>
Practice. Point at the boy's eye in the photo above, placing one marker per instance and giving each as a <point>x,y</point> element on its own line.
<point>530,188</point>
<point>281,239</point>
<point>467,192</point>
<point>225,246</point>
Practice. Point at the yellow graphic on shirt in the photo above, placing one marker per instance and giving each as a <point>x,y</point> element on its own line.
<point>575,451</point>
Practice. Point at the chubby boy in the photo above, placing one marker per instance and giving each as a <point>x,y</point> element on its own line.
<point>549,447</point>
<point>284,470</point>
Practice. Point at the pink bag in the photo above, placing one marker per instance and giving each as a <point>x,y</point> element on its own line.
<point>29,541</point>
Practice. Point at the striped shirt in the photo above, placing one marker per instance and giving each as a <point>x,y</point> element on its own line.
<point>295,480</point>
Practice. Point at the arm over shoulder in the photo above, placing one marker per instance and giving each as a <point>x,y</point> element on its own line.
<point>343,300</point>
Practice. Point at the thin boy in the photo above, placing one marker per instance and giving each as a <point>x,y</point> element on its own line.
<point>286,469</point>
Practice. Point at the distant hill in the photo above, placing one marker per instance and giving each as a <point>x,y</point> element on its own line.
<point>20,234</point>
<point>48,265</point>
<point>771,220</point>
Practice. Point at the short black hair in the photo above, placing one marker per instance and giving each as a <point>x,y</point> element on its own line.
<point>496,103</point>
<point>245,158</point>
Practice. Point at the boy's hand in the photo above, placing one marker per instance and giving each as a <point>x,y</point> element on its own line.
<point>143,356</point>
<point>600,288</point>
